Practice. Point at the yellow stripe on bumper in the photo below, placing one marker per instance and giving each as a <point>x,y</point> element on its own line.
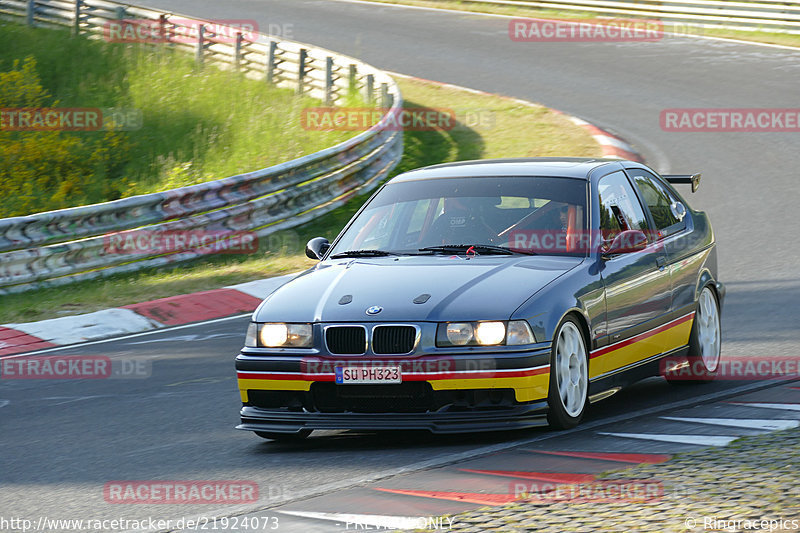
<point>526,388</point>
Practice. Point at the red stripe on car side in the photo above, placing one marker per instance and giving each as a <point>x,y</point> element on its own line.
<point>636,338</point>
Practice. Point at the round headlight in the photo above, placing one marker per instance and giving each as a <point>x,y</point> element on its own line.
<point>490,332</point>
<point>459,333</point>
<point>274,335</point>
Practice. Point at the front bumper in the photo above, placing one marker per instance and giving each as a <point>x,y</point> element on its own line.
<point>452,394</point>
<point>517,417</point>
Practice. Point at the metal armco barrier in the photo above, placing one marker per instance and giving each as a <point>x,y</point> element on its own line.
<point>68,245</point>
<point>767,15</point>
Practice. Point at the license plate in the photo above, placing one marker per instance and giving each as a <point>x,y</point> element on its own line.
<point>354,375</point>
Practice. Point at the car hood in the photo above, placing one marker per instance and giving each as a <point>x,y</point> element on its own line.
<point>480,288</point>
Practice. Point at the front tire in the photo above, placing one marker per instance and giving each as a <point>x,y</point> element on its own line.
<point>569,376</point>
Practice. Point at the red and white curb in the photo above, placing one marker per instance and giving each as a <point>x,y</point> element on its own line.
<point>612,146</point>
<point>136,318</point>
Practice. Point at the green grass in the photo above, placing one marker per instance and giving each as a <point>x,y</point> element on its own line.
<point>761,36</point>
<point>198,125</point>
<point>502,128</point>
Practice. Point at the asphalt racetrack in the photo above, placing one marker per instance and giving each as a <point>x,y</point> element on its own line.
<point>62,441</point>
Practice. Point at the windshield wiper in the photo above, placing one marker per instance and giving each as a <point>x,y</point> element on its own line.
<point>477,248</point>
<point>363,253</point>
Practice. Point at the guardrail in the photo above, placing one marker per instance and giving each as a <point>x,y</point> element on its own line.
<point>67,245</point>
<point>768,15</point>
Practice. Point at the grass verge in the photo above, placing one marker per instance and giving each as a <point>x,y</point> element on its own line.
<point>488,126</point>
<point>178,135</point>
<point>760,36</point>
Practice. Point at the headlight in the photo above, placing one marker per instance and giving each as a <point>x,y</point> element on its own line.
<point>279,335</point>
<point>251,339</point>
<point>519,332</point>
<point>490,333</point>
<point>459,333</point>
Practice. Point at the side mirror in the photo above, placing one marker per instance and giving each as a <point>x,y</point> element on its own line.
<point>632,240</point>
<point>316,248</point>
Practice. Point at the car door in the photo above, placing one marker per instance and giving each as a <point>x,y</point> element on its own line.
<point>672,225</point>
<point>637,286</point>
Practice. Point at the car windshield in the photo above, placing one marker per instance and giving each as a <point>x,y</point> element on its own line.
<point>489,214</point>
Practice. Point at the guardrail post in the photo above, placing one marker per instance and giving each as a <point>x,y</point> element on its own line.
<point>201,41</point>
<point>369,90</point>
<point>238,56</point>
<point>352,77</point>
<point>162,28</point>
<point>386,98</point>
<point>76,23</point>
<point>301,70</point>
<point>119,12</point>
<point>328,80</point>
<point>30,13</point>
<point>271,62</point>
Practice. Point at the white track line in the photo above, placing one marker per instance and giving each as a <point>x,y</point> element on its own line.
<point>782,406</point>
<point>744,423</point>
<point>699,440</point>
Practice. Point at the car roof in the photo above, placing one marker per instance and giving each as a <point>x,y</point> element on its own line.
<point>570,167</point>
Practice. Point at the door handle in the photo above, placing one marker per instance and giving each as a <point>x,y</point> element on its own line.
<point>661,263</point>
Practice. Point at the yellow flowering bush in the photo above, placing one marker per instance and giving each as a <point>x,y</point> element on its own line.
<point>46,170</point>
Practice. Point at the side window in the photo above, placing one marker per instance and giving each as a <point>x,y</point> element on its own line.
<point>619,207</point>
<point>657,198</point>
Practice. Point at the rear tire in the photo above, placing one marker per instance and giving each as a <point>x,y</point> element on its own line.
<point>569,376</point>
<point>705,342</point>
<point>284,437</point>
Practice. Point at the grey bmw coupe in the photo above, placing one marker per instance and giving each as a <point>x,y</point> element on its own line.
<point>487,295</point>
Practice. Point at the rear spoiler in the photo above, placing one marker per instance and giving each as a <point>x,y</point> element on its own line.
<point>694,179</point>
